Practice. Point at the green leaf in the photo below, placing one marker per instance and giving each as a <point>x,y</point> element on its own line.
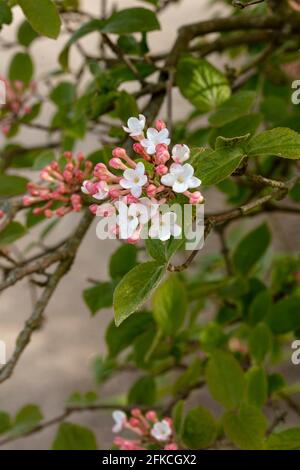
<point>201,83</point>
<point>74,437</point>
<point>257,386</point>
<point>143,392</point>
<point>21,68</point>
<point>284,440</point>
<point>5,421</point>
<point>260,342</point>
<point>156,249</point>
<point>245,427</point>
<point>225,379</point>
<point>213,166</point>
<point>190,377</point>
<point>44,159</point>
<point>251,249</point>
<point>260,307</point>
<point>84,30</point>
<point>11,233</point>
<point>122,261</point>
<point>126,106</point>
<point>244,125</point>
<point>26,34</point>
<point>169,305</point>
<point>199,429</point>
<point>135,288</point>
<point>177,417</point>
<point>5,13</point>
<point>120,338</point>
<point>64,94</point>
<point>281,141</point>
<point>131,20</point>
<point>284,316</point>
<point>12,185</point>
<point>235,107</point>
<point>99,296</point>
<point>26,419</point>
<point>43,16</point>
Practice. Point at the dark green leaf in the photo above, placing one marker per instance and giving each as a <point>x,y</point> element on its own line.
<point>156,249</point>
<point>143,392</point>
<point>284,316</point>
<point>251,249</point>
<point>99,296</point>
<point>26,34</point>
<point>21,68</point>
<point>5,421</point>
<point>131,20</point>
<point>135,288</point>
<point>122,261</point>
<point>5,13</point>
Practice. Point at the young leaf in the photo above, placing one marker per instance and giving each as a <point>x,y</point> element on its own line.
<point>143,392</point>
<point>169,304</point>
<point>99,296</point>
<point>251,249</point>
<point>131,20</point>
<point>43,16</point>
<point>235,107</point>
<point>11,233</point>
<point>213,166</point>
<point>74,437</point>
<point>225,379</point>
<point>246,427</point>
<point>284,440</point>
<point>135,288</point>
<point>281,141</point>
<point>199,428</point>
<point>260,342</point>
<point>257,386</point>
<point>201,83</point>
<point>284,316</point>
<point>21,68</point>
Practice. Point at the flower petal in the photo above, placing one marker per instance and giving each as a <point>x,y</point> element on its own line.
<point>136,191</point>
<point>168,179</point>
<point>180,187</point>
<point>194,182</point>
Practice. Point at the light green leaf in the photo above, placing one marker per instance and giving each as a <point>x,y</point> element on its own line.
<point>21,68</point>
<point>213,166</point>
<point>131,20</point>
<point>43,16</point>
<point>245,427</point>
<point>99,296</point>
<point>11,233</point>
<point>199,428</point>
<point>201,83</point>
<point>235,107</point>
<point>284,316</point>
<point>281,141</point>
<point>74,437</point>
<point>135,288</point>
<point>225,379</point>
<point>169,305</point>
<point>26,419</point>
<point>260,342</point>
<point>257,386</point>
<point>284,440</point>
<point>251,249</point>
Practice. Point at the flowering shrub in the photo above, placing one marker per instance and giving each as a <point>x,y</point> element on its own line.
<point>208,338</point>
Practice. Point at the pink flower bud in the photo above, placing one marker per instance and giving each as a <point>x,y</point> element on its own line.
<point>68,176</point>
<point>100,171</point>
<point>117,164</point>
<point>171,446</point>
<point>130,199</point>
<point>161,170</point>
<point>48,213</point>
<point>151,416</point>
<point>27,201</point>
<point>151,190</point>
<point>69,166</point>
<point>196,198</point>
<point>160,125</point>
<point>93,208</point>
<point>114,192</point>
<point>136,412</point>
<point>60,212</point>
<point>37,211</point>
<point>68,155</point>
<point>80,156</point>
<point>119,152</point>
<point>162,154</point>
<point>54,166</point>
<point>134,422</point>
<point>2,214</point>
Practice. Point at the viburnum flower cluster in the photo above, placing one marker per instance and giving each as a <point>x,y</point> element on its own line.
<point>149,431</point>
<point>59,190</point>
<point>154,177</point>
<point>18,102</point>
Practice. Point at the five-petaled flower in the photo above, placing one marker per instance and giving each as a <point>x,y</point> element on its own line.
<point>154,138</point>
<point>181,178</point>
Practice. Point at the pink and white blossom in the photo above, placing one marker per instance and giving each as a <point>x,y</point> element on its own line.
<point>134,179</point>
<point>154,138</point>
<point>181,178</point>
<point>135,126</point>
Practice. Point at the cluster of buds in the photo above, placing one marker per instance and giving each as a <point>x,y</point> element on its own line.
<point>16,100</point>
<point>154,177</point>
<point>59,191</point>
<point>149,431</point>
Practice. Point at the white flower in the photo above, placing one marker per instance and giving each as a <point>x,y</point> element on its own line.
<point>120,419</point>
<point>134,180</point>
<point>180,153</point>
<point>161,431</point>
<point>163,226</point>
<point>181,178</point>
<point>135,126</point>
<point>154,138</point>
<point>102,191</point>
<point>134,217</point>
